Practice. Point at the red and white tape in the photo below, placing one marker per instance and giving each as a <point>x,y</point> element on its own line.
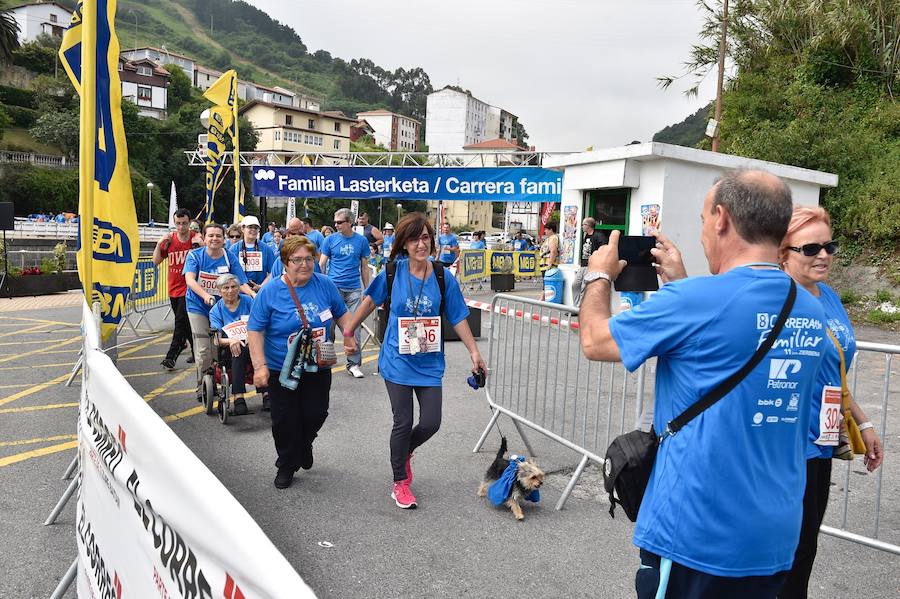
<point>486,307</point>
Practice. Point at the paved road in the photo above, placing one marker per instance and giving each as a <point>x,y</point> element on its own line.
<point>453,545</point>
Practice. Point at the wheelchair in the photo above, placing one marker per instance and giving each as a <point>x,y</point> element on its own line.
<point>217,382</point>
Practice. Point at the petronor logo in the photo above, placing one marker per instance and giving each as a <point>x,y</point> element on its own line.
<point>782,369</point>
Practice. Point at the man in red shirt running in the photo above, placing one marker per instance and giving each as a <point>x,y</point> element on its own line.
<point>175,246</point>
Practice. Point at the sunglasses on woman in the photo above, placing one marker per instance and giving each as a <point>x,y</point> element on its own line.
<point>813,249</point>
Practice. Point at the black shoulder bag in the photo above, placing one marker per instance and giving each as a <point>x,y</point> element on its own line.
<point>629,458</point>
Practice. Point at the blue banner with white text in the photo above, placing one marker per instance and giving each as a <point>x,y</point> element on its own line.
<point>522,184</point>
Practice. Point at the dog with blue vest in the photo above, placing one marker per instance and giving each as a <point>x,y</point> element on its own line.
<point>511,480</point>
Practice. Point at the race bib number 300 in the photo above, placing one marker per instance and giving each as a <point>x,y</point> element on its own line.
<point>427,332</point>
<point>207,281</point>
<point>830,417</point>
<point>236,330</point>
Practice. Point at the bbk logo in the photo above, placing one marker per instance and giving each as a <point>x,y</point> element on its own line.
<point>782,369</point>
<point>346,249</point>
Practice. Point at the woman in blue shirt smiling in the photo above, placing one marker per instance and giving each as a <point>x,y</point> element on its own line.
<point>806,255</point>
<point>412,355</point>
<point>298,414</point>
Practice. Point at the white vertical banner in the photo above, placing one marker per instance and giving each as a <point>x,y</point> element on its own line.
<point>173,205</point>
<point>290,210</point>
<point>354,208</point>
<point>151,519</point>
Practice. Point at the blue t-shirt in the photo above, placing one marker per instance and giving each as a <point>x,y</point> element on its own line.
<point>317,238</point>
<point>725,495</point>
<point>448,240</point>
<point>275,314</point>
<point>207,270</point>
<point>387,245</point>
<point>478,245</point>
<point>267,237</point>
<point>344,255</point>
<point>520,245</point>
<point>830,373</point>
<point>421,369</point>
<point>268,258</point>
<point>220,315</point>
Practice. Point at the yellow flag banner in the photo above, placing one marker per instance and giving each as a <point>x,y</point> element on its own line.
<point>90,52</point>
<point>222,125</point>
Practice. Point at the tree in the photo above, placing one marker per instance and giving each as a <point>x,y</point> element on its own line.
<point>180,87</point>
<point>5,121</point>
<point>58,129</point>
<point>9,36</point>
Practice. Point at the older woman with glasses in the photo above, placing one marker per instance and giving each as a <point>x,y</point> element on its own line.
<point>300,301</point>
<point>228,318</point>
<point>806,255</point>
<point>412,355</point>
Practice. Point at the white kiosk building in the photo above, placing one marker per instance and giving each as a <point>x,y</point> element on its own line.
<point>638,187</point>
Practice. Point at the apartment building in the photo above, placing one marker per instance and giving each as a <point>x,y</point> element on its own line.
<point>292,129</point>
<point>161,56</point>
<point>396,132</point>
<point>456,119</point>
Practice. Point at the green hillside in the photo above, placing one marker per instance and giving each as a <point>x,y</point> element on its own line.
<point>690,132</point>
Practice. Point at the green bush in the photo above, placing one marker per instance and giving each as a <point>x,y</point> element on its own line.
<point>34,189</point>
<point>36,58</point>
<point>849,297</point>
<point>879,317</point>
<point>24,118</point>
<point>883,295</point>
<point>17,97</point>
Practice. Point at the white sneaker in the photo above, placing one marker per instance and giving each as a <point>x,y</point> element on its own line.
<point>355,372</point>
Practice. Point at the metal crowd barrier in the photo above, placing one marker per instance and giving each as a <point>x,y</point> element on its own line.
<point>149,291</point>
<point>541,379</point>
<point>857,514</point>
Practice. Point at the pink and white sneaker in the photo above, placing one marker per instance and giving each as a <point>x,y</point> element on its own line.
<point>402,496</point>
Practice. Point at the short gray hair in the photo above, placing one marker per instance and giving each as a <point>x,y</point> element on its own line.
<point>759,203</point>
<point>344,214</point>
<point>225,279</point>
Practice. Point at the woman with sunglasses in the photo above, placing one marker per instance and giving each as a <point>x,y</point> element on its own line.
<point>806,255</point>
<point>298,414</point>
<point>412,355</point>
<point>234,235</point>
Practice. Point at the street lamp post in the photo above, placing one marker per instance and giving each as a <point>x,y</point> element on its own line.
<point>399,211</point>
<point>149,203</point>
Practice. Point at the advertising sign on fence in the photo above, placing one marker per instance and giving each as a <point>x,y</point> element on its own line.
<point>478,264</point>
<point>151,519</point>
<point>520,184</point>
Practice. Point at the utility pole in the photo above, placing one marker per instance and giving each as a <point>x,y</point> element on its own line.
<point>721,78</point>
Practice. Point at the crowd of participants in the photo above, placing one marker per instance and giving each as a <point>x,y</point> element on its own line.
<point>735,500</point>
<point>319,285</point>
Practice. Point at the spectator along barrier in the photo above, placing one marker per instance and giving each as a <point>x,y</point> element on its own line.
<point>540,379</point>
<point>151,519</point>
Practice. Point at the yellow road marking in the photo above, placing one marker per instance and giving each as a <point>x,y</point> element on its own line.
<point>14,386</point>
<point>184,414</point>
<point>33,441</point>
<point>178,392</point>
<point>19,318</point>
<point>40,350</point>
<point>34,389</point>
<point>175,379</point>
<point>53,406</point>
<point>36,453</point>
<point>29,342</point>
<point>23,331</point>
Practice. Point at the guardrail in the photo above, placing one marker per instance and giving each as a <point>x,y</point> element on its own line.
<point>8,156</point>
<point>23,259</point>
<point>149,291</point>
<point>541,379</point>
<point>28,229</point>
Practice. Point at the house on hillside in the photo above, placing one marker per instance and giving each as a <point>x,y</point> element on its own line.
<point>293,129</point>
<point>360,129</point>
<point>204,77</point>
<point>162,56</point>
<point>145,84</point>
<point>37,18</point>
<point>396,132</point>
<point>456,119</point>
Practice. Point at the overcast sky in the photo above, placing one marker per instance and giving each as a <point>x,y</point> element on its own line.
<point>576,72</point>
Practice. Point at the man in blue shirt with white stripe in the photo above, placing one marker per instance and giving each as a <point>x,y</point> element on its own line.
<point>721,513</point>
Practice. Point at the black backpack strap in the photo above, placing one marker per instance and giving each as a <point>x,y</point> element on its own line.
<point>390,269</point>
<point>731,382</point>
<point>439,275</point>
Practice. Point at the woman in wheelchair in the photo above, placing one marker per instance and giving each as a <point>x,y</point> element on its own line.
<point>228,318</point>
